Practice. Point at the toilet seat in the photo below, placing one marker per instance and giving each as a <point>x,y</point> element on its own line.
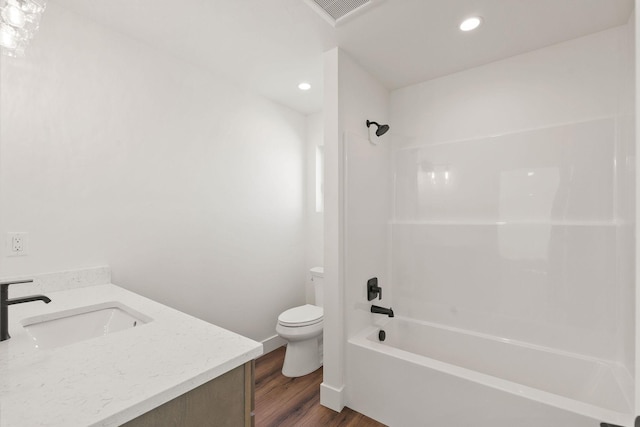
<point>305,315</point>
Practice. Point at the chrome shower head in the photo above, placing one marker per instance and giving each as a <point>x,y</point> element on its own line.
<point>382,129</point>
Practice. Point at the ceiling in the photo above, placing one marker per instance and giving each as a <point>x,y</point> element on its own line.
<point>271,45</point>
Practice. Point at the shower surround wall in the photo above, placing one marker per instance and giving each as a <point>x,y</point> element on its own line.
<point>513,205</point>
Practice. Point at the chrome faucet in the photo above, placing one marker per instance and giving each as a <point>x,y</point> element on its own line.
<point>382,310</point>
<point>5,302</point>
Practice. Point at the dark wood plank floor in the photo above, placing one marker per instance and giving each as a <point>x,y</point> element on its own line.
<point>282,401</point>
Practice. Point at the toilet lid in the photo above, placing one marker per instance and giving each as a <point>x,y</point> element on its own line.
<point>301,316</point>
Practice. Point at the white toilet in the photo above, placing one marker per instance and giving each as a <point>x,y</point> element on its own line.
<point>302,328</point>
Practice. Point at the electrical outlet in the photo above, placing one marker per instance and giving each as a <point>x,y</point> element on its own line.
<point>17,243</point>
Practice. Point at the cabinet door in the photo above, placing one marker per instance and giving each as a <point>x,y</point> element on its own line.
<point>226,401</point>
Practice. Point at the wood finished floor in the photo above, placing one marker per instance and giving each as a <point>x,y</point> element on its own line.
<point>283,402</point>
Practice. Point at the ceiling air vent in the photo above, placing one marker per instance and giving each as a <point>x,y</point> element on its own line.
<point>337,12</point>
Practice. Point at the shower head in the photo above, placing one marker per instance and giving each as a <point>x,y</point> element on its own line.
<point>382,129</point>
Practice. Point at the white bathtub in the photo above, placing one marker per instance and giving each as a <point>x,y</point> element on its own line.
<point>428,375</point>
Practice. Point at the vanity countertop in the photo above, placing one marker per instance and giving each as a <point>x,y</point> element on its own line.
<point>112,379</point>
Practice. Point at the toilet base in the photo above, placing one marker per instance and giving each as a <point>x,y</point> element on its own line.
<point>301,358</point>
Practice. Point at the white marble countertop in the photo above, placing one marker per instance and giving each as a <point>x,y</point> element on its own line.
<point>109,380</point>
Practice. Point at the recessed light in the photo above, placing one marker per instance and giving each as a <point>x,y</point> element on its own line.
<point>471,23</point>
<point>304,86</point>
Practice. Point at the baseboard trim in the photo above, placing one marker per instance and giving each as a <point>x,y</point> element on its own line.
<point>273,343</point>
<point>332,397</point>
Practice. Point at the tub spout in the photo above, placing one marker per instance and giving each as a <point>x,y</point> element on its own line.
<point>382,310</point>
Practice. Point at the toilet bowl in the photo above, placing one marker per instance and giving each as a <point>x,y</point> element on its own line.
<point>302,328</point>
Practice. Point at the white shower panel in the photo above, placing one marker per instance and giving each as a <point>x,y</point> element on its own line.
<point>560,173</point>
<point>548,285</point>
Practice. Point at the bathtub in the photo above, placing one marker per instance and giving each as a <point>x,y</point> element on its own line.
<point>425,374</point>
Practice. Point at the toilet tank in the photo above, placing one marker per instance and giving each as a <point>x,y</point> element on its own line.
<point>317,278</point>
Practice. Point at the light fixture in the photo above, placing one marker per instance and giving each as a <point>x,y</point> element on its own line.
<point>471,23</point>
<point>304,86</point>
<point>19,21</point>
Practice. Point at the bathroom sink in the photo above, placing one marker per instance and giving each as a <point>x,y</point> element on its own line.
<point>79,324</point>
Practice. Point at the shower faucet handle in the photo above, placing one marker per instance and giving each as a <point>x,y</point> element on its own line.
<point>373,290</point>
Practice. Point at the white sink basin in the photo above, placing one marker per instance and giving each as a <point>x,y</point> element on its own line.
<point>82,323</point>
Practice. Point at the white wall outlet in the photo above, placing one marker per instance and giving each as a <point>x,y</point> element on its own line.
<point>17,243</point>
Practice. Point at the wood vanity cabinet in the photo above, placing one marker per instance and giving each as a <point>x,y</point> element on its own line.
<point>226,401</point>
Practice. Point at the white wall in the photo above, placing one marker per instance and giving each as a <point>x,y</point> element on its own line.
<point>509,198</point>
<point>634,22</point>
<point>192,189</point>
<point>332,387</point>
<point>356,209</point>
